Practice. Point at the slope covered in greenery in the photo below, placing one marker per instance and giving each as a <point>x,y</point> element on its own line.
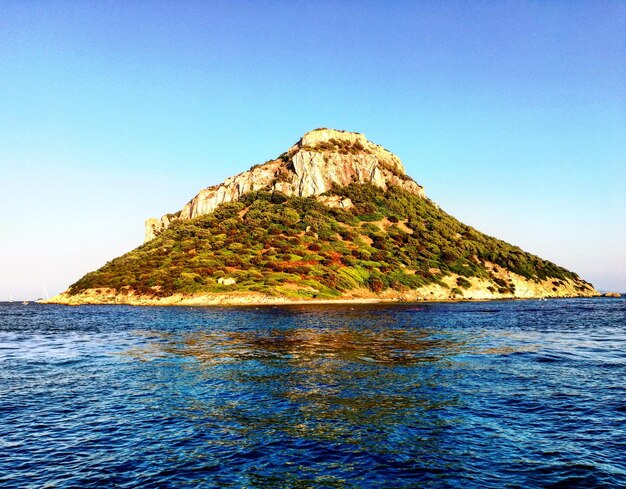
<point>299,247</point>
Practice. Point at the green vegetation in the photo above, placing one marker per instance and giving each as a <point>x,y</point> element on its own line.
<point>341,146</point>
<point>298,247</point>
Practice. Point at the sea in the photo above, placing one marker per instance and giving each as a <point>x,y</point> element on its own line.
<point>503,394</point>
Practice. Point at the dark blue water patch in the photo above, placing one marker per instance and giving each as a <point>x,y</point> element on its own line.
<point>498,394</point>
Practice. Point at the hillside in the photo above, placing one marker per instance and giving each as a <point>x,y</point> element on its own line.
<point>335,217</point>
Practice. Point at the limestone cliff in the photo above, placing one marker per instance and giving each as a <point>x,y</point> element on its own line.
<point>320,159</point>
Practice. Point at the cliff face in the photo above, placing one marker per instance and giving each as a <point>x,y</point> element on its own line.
<point>320,159</point>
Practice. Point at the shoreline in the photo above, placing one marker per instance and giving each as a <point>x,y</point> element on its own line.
<point>260,300</point>
<point>475,289</point>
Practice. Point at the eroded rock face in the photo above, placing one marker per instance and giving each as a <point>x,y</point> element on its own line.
<point>153,226</point>
<point>335,201</point>
<point>320,159</point>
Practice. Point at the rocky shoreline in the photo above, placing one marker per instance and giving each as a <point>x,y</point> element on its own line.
<point>431,293</point>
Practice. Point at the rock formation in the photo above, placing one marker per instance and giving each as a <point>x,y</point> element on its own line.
<point>322,158</point>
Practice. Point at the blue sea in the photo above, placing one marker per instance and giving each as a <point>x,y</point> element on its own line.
<point>470,395</point>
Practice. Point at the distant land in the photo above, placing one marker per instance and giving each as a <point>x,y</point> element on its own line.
<point>334,218</point>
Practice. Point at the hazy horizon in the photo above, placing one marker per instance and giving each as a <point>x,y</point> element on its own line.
<point>512,115</point>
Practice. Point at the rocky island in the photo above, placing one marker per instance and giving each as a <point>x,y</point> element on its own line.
<point>334,218</point>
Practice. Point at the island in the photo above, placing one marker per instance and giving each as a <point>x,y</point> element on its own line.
<point>335,218</point>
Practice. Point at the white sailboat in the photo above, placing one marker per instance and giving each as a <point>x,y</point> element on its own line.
<point>45,294</point>
<point>10,297</point>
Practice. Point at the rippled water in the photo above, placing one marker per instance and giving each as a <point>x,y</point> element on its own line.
<point>498,394</point>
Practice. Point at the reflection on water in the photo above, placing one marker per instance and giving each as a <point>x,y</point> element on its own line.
<point>389,346</point>
<point>529,394</point>
<point>319,383</point>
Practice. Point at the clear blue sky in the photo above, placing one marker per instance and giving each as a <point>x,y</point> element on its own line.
<point>511,114</point>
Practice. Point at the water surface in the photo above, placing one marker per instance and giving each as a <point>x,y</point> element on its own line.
<point>496,394</point>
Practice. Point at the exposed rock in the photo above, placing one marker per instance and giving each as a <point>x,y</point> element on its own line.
<point>153,227</point>
<point>226,281</point>
<point>613,294</point>
<point>321,159</point>
<point>335,201</point>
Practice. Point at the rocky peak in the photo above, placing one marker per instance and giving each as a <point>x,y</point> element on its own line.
<point>320,159</point>
<point>347,142</point>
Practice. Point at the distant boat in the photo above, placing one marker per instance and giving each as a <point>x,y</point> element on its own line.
<point>10,297</point>
<point>25,303</point>
<point>45,294</point>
